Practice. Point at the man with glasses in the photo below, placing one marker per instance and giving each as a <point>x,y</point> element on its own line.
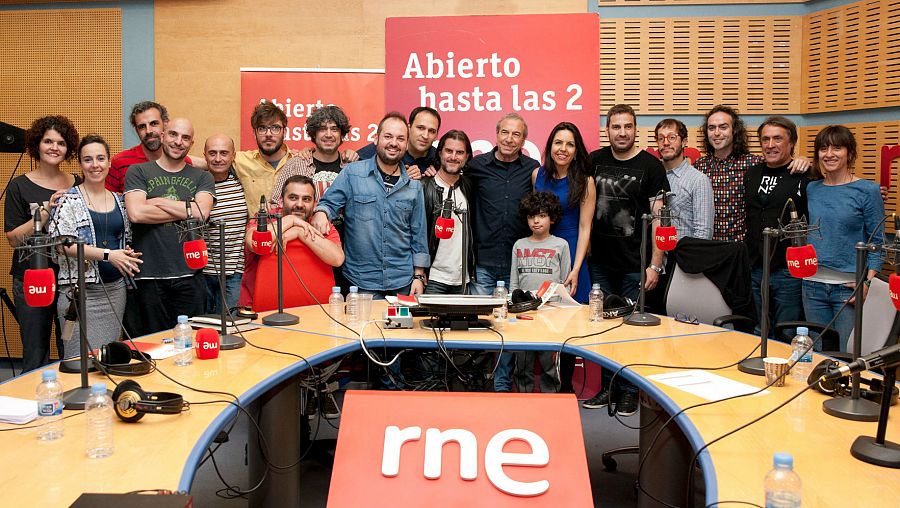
<point>692,194</point>
<point>258,168</point>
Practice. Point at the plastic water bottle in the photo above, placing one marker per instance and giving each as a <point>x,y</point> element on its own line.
<point>595,304</point>
<point>184,338</point>
<point>353,307</point>
<point>49,407</point>
<point>782,483</point>
<point>801,347</point>
<point>500,312</point>
<point>336,306</point>
<point>99,412</point>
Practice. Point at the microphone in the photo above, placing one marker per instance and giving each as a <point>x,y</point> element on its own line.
<point>888,356</point>
<point>196,254</point>
<point>70,318</point>
<point>801,257</point>
<point>666,236</point>
<point>261,239</point>
<point>207,341</point>
<point>445,224</point>
<point>39,280</point>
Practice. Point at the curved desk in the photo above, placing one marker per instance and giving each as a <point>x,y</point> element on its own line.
<point>163,452</point>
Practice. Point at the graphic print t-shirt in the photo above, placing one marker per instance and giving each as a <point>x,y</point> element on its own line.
<point>625,190</point>
<point>536,262</point>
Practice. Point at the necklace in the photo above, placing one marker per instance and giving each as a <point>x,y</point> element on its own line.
<point>105,213</point>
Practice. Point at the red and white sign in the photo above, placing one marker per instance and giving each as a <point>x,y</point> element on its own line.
<point>475,69</point>
<point>359,92</point>
<point>435,449</point>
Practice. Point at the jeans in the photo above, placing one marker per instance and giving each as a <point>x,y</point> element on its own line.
<point>821,302</point>
<point>214,293</point>
<point>163,300</point>
<point>439,288</point>
<point>486,278</point>
<point>626,285</point>
<point>785,297</point>
<point>35,325</point>
<point>380,295</point>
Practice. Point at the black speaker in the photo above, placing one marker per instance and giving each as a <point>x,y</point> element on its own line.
<point>12,138</point>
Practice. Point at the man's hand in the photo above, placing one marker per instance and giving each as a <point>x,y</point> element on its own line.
<point>319,220</point>
<point>416,288</point>
<point>884,193</point>
<point>799,165</point>
<point>652,279</point>
<point>305,154</point>
<point>572,282</point>
<point>349,155</point>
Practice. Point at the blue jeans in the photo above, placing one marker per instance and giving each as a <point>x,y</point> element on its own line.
<point>214,294</point>
<point>486,278</point>
<point>821,303</point>
<point>626,285</point>
<point>439,288</point>
<point>380,295</point>
<point>785,297</point>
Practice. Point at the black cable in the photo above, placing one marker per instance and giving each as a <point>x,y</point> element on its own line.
<point>748,503</point>
<point>38,425</point>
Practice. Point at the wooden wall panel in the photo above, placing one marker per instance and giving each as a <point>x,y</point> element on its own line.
<point>623,3</point>
<point>688,65</point>
<point>58,62</point>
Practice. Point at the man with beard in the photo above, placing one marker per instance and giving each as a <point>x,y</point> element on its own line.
<point>157,194</point>
<point>149,120</point>
<point>384,225</point>
<point>419,157</point>
<point>447,193</point>
<point>692,195</point>
<point>258,168</point>
<point>628,180</point>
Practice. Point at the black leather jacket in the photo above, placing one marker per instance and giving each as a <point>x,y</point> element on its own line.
<point>434,198</point>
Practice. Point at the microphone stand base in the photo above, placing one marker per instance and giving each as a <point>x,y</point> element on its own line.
<point>74,367</point>
<point>76,398</point>
<point>642,319</point>
<point>867,449</point>
<point>228,341</point>
<point>754,366</point>
<point>280,319</point>
<point>848,408</point>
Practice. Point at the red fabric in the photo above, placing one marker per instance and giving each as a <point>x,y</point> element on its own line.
<point>115,180</point>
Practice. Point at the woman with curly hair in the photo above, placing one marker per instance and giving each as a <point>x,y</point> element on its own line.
<point>97,216</point>
<point>49,141</point>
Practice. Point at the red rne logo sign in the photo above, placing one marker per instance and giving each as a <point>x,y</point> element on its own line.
<point>459,449</point>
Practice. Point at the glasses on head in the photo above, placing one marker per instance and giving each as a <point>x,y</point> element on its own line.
<point>690,319</point>
<point>671,137</point>
<point>274,129</point>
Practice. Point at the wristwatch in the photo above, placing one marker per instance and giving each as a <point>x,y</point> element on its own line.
<point>105,254</point>
<point>655,268</point>
<point>422,278</point>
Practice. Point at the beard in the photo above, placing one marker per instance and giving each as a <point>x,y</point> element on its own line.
<point>385,158</point>
<point>272,151</point>
<point>151,143</point>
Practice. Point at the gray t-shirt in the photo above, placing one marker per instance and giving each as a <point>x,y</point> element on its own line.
<point>163,254</point>
<point>536,262</point>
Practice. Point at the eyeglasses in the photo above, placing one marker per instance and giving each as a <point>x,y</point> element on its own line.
<point>671,137</point>
<point>690,319</point>
<point>274,129</point>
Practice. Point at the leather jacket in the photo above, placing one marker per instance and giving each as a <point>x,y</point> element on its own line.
<point>434,198</point>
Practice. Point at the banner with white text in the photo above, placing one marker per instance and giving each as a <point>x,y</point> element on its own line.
<point>475,69</point>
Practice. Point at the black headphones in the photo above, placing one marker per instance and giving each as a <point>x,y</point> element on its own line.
<point>840,387</point>
<point>132,402</point>
<point>523,301</point>
<point>115,358</point>
<point>614,306</point>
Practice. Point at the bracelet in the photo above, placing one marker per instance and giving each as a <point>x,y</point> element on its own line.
<point>655,268</point>
<point>421,278</point>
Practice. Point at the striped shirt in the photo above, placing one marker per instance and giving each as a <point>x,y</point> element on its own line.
<point>232,208</point>
<point>727,178</point>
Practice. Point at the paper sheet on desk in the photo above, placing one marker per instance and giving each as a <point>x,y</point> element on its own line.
<point>18,411</point>
<point>704,384</point>
<point>156,351</point>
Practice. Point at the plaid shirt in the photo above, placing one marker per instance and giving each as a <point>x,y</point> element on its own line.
<point>727,178</point>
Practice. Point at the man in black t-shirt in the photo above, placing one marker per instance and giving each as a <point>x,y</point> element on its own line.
<point>155,197</point>
<point>628,181</point>
<point>768,186</point>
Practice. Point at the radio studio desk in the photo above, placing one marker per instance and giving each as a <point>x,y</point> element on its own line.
<point>162,451</point>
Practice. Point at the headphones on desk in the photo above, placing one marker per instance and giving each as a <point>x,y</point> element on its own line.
<point>115,358</point>
<point>614,306</point>
<point>131,402</point>
<point>841,386</point>
<point>523,301</point>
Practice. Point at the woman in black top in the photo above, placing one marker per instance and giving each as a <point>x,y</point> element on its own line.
<point>50,141</point>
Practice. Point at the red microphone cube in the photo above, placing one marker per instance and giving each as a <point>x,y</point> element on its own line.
<point>39,286</point>
<point>207,344</point>
<point>261,242</point>
<point>894,290</point>
<point>666,238</point>
<point>443,227</point>
<point>195,254</point>
<point>802,261</point>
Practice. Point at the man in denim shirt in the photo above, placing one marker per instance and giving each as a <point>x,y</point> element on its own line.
<point>384,217</point>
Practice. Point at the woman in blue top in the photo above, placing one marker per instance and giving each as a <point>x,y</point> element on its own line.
<point>567,173</point>
<point>849,210</point>
<point>98,217</point>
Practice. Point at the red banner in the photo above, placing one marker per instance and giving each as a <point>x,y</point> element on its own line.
<point>475,69</point>
<point>299,91</point>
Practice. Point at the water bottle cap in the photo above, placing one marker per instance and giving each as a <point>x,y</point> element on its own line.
<point>501,283</point>
<point>802,330</point>
<point>595,286</point>
<point>783,459</point>
<point>354,289</point>
<point>336,289</point>
<point>48,375</point>
<point>182,319</point>
<point>98,388</point>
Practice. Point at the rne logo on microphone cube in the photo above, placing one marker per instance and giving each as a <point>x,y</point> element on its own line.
<point>459,449</point>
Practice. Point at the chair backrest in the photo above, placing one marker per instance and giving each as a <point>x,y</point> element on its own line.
<point>694,294</point>
<point>879,319</point>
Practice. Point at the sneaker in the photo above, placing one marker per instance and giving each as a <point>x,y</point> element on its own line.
<point>311,404</point>
<point>628,403</point>
<point>331,410</point>
<point>599,400</point>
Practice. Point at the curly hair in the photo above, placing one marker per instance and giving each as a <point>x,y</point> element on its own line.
<point>535,203</point>
<point>740,144</point>
<point>325,114</point>
<point>39,127</point>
